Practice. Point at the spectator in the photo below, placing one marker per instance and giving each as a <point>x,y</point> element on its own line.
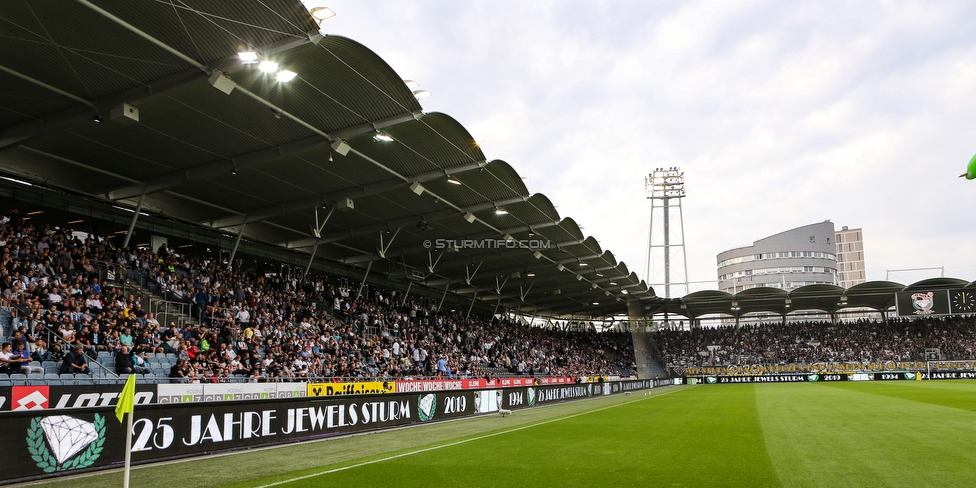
<point>75,362</point>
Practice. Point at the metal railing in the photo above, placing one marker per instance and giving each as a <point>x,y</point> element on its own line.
<point>169,311</point>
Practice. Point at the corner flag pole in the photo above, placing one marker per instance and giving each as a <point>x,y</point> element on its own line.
<point>126,405</point>
<point>128,451</point>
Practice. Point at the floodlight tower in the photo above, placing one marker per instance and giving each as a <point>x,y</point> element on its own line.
<point>664,186</point>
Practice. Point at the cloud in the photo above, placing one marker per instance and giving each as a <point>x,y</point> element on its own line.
<point>780,114</point>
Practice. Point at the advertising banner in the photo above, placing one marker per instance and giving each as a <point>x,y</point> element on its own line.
<point>351,388</point>
<point>44,397</point>
<point>487,401</point>
<point>406,386</point>
<point>896,376</point>
<point>221,392</point>
<point>557,380</point>
<point>951,375</point>
<point>828,368</point>
<point>535,395</point>
<point>511,382</point>
<point>38,444</point>
<point>782,378</point>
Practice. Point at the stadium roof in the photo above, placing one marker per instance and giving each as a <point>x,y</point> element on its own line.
<point>876,295</point>
<point>224,144</point>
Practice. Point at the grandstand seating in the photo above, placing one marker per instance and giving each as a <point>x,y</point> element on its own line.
<point>320,323</point>
<point>820,342</point>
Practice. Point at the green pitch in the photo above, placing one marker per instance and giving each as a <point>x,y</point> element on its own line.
<point>899,433</point>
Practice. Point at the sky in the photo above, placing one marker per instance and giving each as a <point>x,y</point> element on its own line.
<point>780,114</point>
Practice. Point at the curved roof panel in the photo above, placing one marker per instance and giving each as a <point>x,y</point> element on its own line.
<point>937,283</point>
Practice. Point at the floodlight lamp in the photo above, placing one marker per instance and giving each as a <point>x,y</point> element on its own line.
<point>268,66</point>
<point>417,188</point>
<point>285,75</point>
<point>509,238</point>
<point>97,119</point>
<point>579,277</point>
<point>501,211</point>
<point>470,217</point>
<point>382,137</point>
<point>560,267</point>
<point>322,13</point>
<point>248,57</point>
<point>419,94</point>
<point>454,181</point>
<point>537,255</point>
<point>411,83</point>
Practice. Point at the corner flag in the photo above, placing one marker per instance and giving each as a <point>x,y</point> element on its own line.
<point>127,399</point>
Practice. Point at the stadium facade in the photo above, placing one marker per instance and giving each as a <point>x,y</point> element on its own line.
<point>788,260</point>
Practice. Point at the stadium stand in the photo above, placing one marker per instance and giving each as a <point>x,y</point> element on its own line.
<point>820,342</point>
<point>247,327</point>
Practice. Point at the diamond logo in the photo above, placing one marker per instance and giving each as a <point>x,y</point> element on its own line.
<point>531,395</point>
<point>62,443</point>
<point>67,435</point>
<point>425,406</point>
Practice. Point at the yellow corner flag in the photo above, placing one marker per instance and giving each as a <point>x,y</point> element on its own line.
<point>127,399</point>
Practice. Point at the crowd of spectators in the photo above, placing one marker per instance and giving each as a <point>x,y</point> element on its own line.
<point>250,323</point>
<point>819,342</point>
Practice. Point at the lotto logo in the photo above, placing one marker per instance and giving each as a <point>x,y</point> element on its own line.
<point>29,398</point>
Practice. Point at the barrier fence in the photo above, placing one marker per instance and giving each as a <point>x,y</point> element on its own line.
<point>86,436</point>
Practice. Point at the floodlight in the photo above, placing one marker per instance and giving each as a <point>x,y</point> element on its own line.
<point>285,75</point>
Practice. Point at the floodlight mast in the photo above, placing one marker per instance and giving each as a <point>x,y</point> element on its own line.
<point>662,186</point>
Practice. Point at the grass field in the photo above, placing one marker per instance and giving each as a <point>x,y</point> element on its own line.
<point>898,433</point>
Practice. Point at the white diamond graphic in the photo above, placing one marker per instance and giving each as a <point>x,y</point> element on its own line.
<point>67,435</point>
<point>427,405</point>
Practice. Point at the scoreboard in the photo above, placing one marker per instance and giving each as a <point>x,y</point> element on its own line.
<point>927,303</point>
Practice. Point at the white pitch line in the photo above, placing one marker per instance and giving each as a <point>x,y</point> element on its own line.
<point>434,448</point>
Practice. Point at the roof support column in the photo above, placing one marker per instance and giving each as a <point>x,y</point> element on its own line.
<point>386,247</point>
<point>441,303</point>
<point>404,301</point>
<point>135,217</point>
<point>498,290</point>
<point>469,275</point>
<point>499,302</point>
<point>525,293</point>
<point>475,297</point>
<point>361,285</point>
<point>318,232</point>
<point>237,243</point>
